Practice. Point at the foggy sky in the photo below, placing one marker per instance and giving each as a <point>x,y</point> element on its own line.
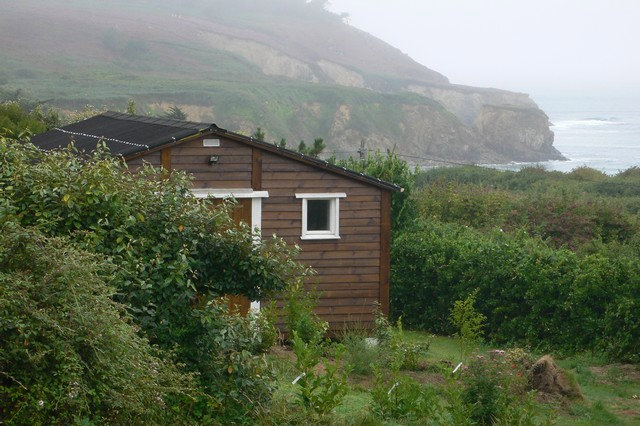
<point>523,45</point>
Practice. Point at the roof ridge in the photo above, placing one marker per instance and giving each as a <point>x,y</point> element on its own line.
<point>185,124</point>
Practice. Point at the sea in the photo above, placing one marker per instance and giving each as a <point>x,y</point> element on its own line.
<point>597,131</point>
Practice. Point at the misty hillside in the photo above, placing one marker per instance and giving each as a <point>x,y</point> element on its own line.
<point>287,66</point>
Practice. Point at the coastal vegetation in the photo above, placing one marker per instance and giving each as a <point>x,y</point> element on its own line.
<point>112,307</point>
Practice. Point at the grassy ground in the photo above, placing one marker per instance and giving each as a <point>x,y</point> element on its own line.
<point>611,391</point>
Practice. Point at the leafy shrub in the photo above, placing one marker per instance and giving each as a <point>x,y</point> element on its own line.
<point>390,168</point>
<point>230,365</point>
<point>16,120</point>
<point>263,325</point>
<point>173,256</point>
<point>402,354</point>
<point>529,292</point>
<point>362,354</point>
<point>69,354</point>
<point>405,399</point>
<point>494,389</point>
<point>300,318</point>
<point>467,321</point>
<point>318,393</point>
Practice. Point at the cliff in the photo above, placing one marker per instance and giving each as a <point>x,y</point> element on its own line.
<point>288,66</point>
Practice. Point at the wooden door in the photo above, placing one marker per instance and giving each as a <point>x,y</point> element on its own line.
<point>241,213</point>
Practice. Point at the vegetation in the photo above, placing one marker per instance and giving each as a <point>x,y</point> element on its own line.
<point>553,257</point>
<point>391,168</point>
<point>69,353</point>
<point>17,120</point>
<point>112,305</point>
<point>170,258</point>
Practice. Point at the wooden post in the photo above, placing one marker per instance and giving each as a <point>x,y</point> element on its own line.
<point>256,170</point>
<point>165,156</point>
<point>385,248</point>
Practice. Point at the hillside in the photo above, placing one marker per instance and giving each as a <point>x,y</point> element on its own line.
<point>287,66</point>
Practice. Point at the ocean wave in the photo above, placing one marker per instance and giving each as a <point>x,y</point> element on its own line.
<point>586,122</point>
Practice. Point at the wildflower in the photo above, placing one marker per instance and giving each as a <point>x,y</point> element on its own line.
<point>40,403</point>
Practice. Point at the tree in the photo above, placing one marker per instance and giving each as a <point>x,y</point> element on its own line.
<point>131,107</point>
<point>313,151</point>
<point>258,134</point>
<point>175,113</point>
<point>391,168</point>
<point>17,120</point>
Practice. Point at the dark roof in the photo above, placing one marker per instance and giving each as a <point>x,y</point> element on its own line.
<point>124,134</point>
<point>132,135</point>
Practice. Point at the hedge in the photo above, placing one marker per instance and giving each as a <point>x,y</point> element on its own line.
<point>531,293</point>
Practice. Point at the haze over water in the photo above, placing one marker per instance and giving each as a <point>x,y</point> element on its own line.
<point>602,132</point>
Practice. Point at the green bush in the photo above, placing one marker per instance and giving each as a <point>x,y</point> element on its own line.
<point>391,168</point>
<point>361,354</point>
<point>405,399</point>
<point>16,120</point>
<point>69,354</point>
<point>494,390</point>
<point>300,319</point>
<point>173,256</point>
<point>319,393</point>
<point>529,292</point>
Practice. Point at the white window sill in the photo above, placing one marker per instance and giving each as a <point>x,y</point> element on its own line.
<point>320,237</point>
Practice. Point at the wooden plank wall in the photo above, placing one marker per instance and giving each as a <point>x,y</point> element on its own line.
<point>349,273</point>
<point>349,268</point>
<point>232,171</point>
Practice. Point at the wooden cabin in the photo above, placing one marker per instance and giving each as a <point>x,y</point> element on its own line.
<point>338,217</point>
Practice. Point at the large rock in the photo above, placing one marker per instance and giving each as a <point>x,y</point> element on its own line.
<point>519,133</point>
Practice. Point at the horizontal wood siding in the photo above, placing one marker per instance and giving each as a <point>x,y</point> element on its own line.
<point>348,269</point>
<point>233,169</point>
<point>154,159</point>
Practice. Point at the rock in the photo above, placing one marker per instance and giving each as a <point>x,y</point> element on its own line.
<point>548,378</point>
<point>519,133</point>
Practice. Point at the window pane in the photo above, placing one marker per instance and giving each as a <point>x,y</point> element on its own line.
<point>318,212</point>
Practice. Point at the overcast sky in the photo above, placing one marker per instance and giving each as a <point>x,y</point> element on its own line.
<point>533,46</point>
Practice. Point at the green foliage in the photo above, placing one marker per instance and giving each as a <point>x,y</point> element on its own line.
<point>227,355</point>
<point>401,354</point>
<point>405,399</point>
<point>469,323</point>
<point>314,150</point>
<point>16,120</point>
<point>175,113</point>
<point>300,318</point>
<point>391,168</point>
<point>173,256</point>
<point>494,391</point>
<point>561,215</point>
<point>529,292</point>
<point>131,107</point>
<point>69,354</point>
<point>319,393</point>
<point>263,324</point>
<point>361,353</point>
<point>259,134</point>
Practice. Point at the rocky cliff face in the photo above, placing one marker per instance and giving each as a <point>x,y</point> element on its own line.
<point>290,67</point>
<point>518,133</point>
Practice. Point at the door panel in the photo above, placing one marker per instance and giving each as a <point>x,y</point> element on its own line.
<point>241,213</point>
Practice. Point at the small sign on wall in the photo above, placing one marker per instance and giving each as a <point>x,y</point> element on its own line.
<point>211,143</point>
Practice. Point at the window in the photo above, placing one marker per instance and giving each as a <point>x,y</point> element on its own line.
<point>320,216</point>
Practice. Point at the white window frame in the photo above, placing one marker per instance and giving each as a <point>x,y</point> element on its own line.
<point>333,233</point>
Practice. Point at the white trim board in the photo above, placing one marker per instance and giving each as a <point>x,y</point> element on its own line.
<point>229,193</point>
